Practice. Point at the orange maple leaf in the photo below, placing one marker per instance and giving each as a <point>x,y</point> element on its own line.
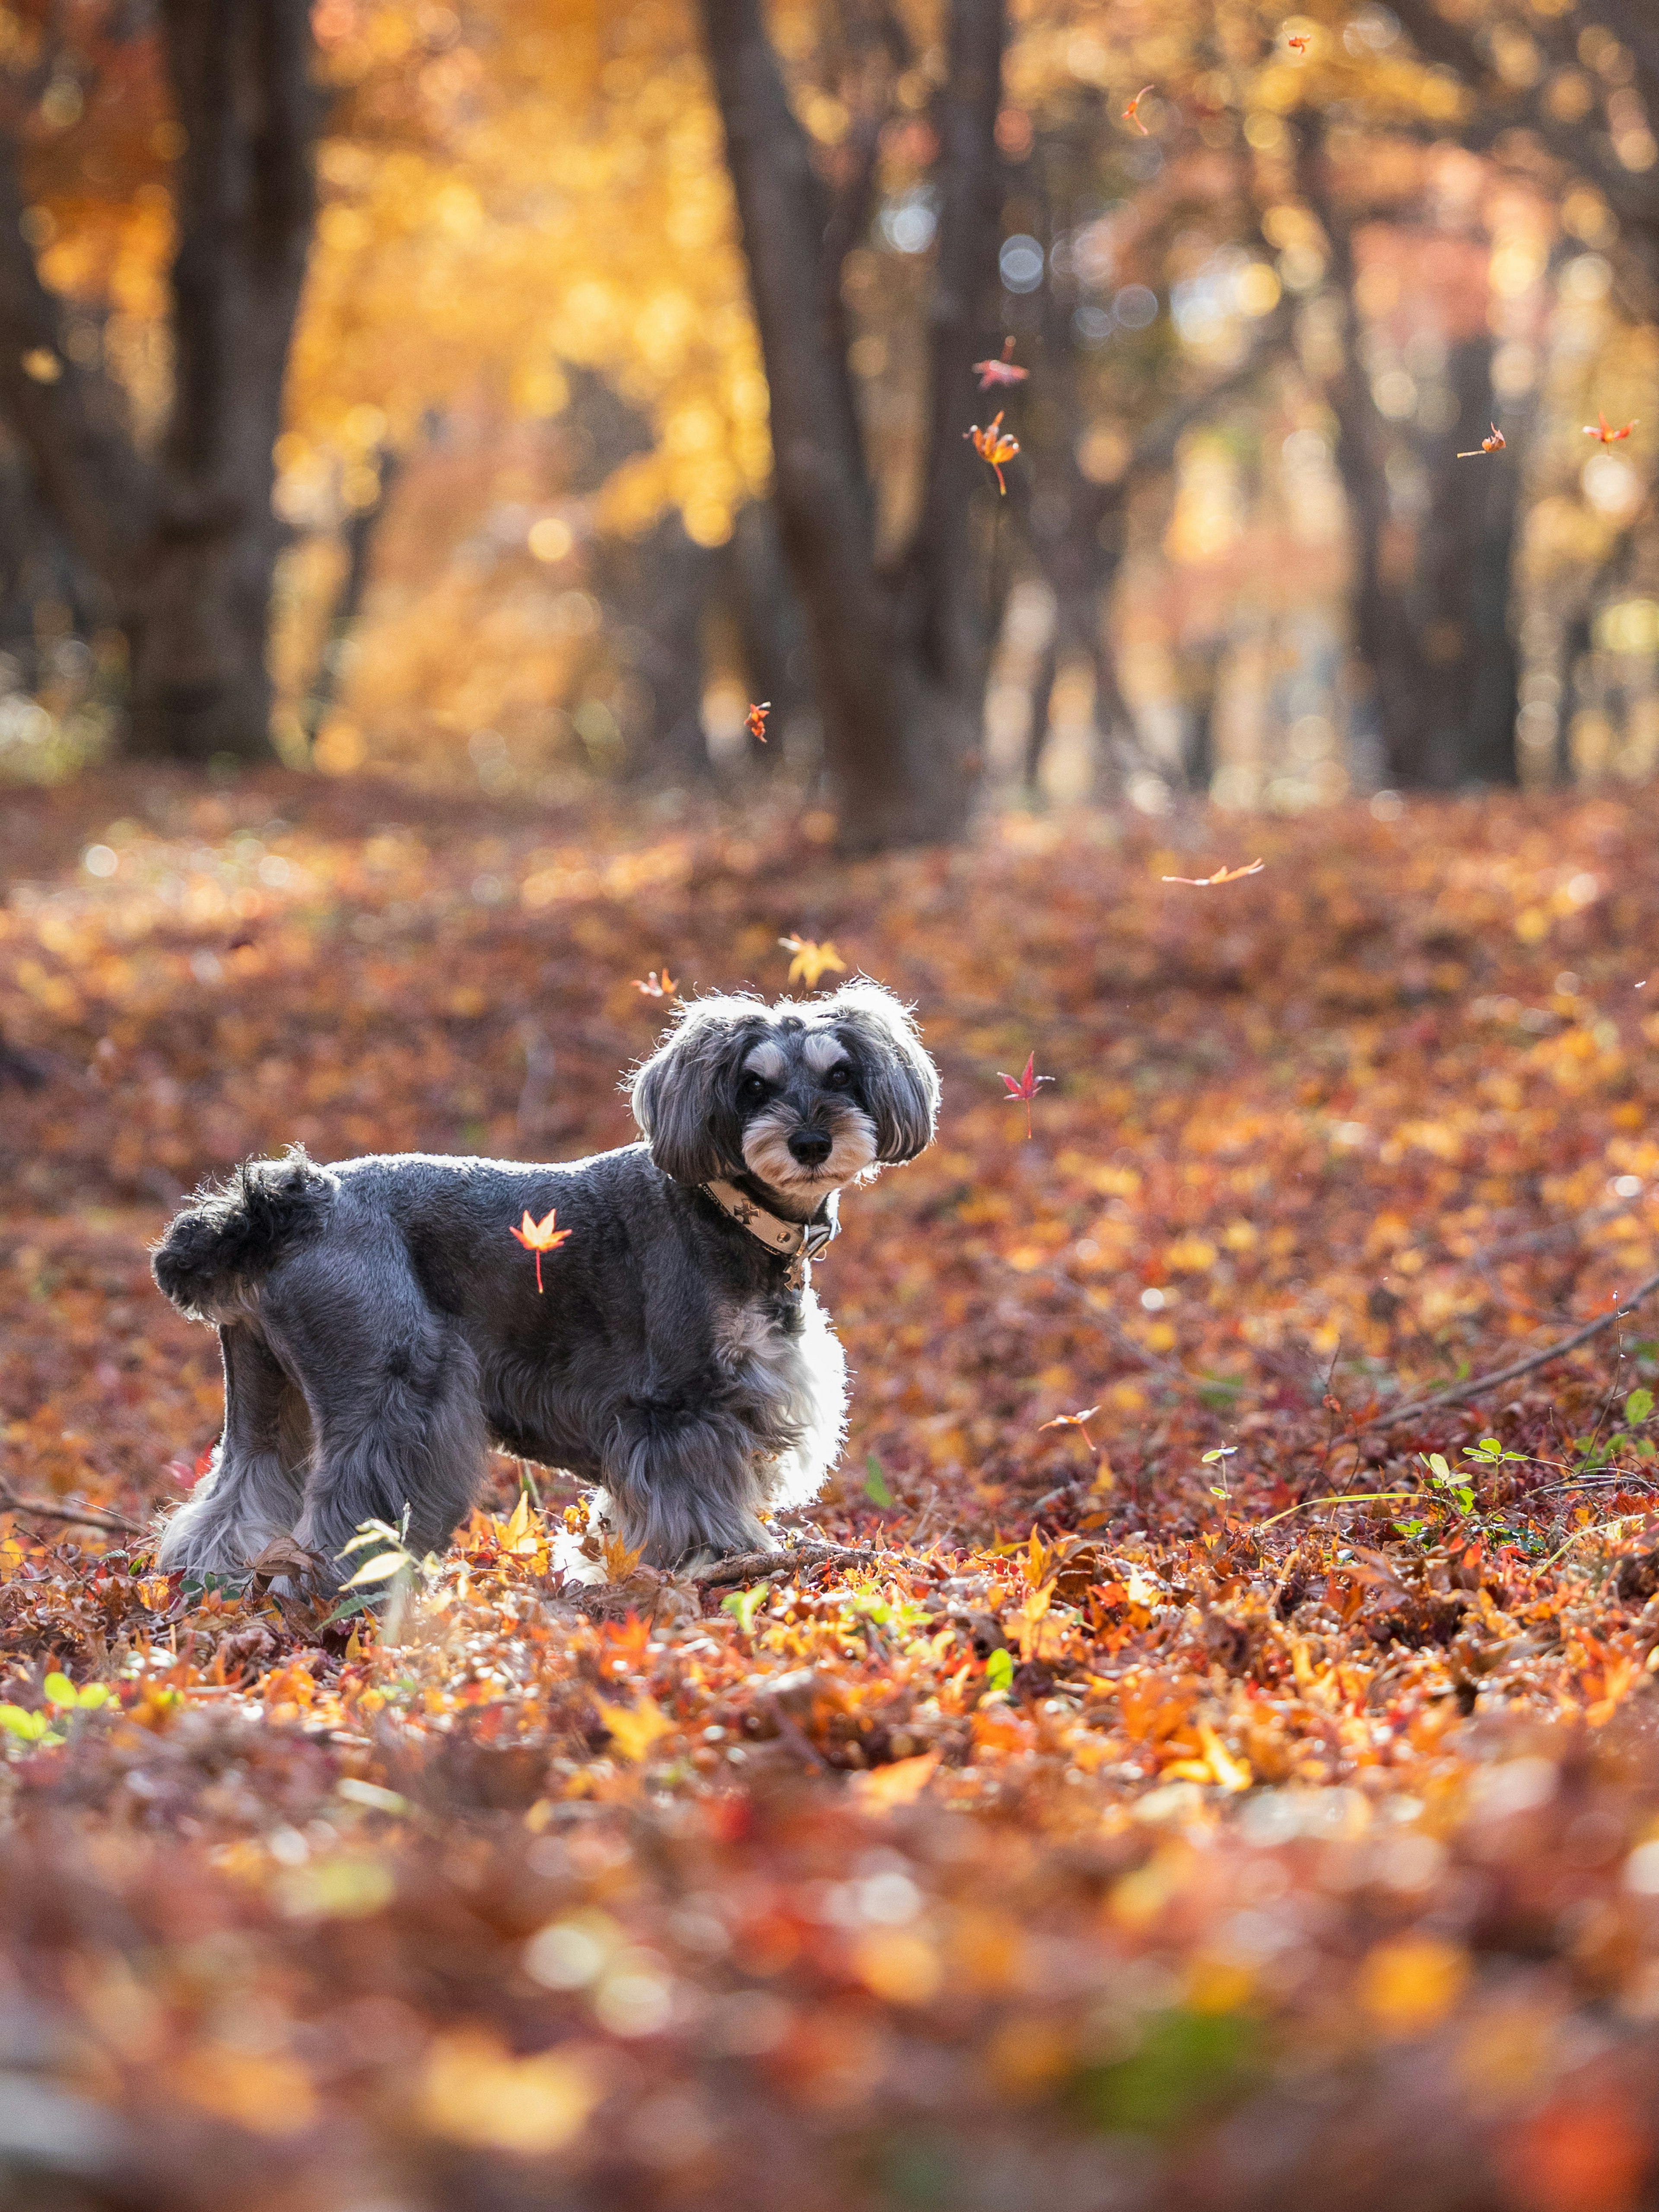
<point>1603,433</point>
<point>1001,371</point>
<point>1132,112</point>
<point>1495,443</point>
<point>1024,1087</point>
<point>1221,876</point>
<point>810,960</point>
<point>756,720</point>
<point>1077,1421</point>
<point>652,988</point>
<point>993,445</point>
<point>539,1236</point>
<point>1298,44</point>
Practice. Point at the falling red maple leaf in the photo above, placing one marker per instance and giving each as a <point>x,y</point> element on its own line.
<point>539,1236</point>
<point>1495,443</point>
<point>756,720</point>
<point>1077,1421</point>
<point>1132,112</point>
<point>1221,876</point>
<point>1298,44</point>
<point>1001,371</point>
<point>993,445</point>
<point>1604,434</point>
<point>1024,1087</point>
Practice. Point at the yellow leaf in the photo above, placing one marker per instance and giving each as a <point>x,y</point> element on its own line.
<point>1229,1772</point>
<point>619,1561</point>
<point>1408,1985</point>
<point>264,2092</point>
<point>635,1728</point>
<point>902,1783</point>
<point>895,1964</point>
<point>810,960</point>
<point>379,1569</point>
<point>477,2092</point>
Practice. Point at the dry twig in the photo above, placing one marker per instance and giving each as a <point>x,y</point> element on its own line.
<point>1478,1385</point>
<point>766,1566</point>
<point>79,1516</point>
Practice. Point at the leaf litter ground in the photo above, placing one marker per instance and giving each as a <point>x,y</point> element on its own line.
<point>1213,1844</point>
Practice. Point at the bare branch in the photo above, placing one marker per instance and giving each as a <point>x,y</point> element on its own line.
<point>78,1516</point>
<point>1479,1385</point>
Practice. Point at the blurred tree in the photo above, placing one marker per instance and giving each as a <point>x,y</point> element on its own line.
<point>1580,81</point>
<point>1434,539</point>
<point>899,640</point>
<point>180,535</point>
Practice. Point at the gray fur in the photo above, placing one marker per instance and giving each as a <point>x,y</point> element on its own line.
<point>381,1330</point>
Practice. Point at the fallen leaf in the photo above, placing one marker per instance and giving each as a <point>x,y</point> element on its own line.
<point>884,1789</point>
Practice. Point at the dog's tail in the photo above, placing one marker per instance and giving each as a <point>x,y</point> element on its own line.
<point>216,1251</point>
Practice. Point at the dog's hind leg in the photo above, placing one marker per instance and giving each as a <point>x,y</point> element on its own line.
<point>253,1489</point>
<point>397,1424</point>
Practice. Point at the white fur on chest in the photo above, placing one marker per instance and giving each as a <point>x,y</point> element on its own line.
<point>805,1378</point>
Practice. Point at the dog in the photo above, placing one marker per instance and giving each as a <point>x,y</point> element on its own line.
<point>380,1330</point>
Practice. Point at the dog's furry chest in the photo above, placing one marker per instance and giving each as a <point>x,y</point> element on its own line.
<point>800,1374</point>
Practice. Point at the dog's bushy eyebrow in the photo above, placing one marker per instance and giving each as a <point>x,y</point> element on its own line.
<point>821,1050</point>
<point>899,1081</point>
<point>767,1060</point>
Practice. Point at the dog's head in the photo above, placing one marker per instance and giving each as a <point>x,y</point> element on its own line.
<point>806,1096</point>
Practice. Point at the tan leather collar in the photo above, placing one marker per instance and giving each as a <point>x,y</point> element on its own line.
<point>791,1240</point>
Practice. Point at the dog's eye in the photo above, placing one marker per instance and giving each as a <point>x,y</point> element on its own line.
<point>753,1087</point>
<point>839,1075</point>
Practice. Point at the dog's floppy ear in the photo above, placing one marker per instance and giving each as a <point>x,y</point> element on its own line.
<point>900,1082</point>
<point>680,1097</point>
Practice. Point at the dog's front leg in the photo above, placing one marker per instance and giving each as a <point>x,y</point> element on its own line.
<point>685,1486</point>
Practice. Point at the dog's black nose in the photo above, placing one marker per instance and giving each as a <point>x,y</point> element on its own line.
<point>811,1147</point>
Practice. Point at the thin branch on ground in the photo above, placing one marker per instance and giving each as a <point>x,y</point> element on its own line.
<point>1478,1385</point>
<point>79,1516</point>
<point>766,1566</point>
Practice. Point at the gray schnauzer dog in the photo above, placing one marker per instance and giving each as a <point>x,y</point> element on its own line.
<point>380,1331</point>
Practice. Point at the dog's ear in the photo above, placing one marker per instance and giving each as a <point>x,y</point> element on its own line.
<point>900,1082</point>
<point>681,1095</point>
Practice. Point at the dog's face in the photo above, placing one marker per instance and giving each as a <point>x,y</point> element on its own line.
<point>805,1097</point>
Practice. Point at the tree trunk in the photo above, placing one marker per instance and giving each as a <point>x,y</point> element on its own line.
<point>1431,597</point>
<point>771,627</point>
<point>898,656</point>
<point>362,528</point>
<point>186,545</point>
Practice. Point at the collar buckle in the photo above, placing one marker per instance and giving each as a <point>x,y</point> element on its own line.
<point>797,1242</point>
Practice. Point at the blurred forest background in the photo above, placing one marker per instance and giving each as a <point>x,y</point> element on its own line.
<point>387,384</point>
<point>1210,1764</point>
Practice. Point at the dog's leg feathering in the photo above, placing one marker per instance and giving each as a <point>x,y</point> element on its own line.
<point>253,1490</point>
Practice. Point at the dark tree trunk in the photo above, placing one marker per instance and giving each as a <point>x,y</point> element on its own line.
<point>771,627</point>
<point>1430,615</point>
<point>663,585</point>
<point>186,546</point>
<point>362,527</point>
<point>898,656</point>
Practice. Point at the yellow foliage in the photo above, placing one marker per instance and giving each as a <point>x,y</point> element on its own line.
<point>476,2092</point>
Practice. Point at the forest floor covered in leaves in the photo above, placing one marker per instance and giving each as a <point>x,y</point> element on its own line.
<point>1113,1821</point>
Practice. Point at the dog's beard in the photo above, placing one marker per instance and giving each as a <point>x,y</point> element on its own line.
<point>767,1155</point>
